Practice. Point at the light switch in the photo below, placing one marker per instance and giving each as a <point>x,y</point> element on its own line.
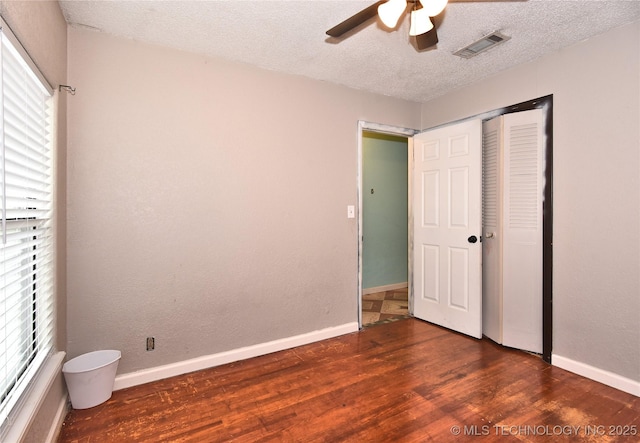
<point>351,211</point>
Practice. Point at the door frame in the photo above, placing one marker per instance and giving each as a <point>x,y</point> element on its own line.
<point>546,104</point>
<point>391,130</point>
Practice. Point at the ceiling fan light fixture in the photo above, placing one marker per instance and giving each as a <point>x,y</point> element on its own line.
<point>420,22</point>
<point>433,7</point>
<point>391,11</point>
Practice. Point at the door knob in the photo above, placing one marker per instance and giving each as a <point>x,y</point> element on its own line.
<point>472,239</point>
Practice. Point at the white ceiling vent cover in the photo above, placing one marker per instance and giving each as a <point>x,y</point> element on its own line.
<point>485,43</point>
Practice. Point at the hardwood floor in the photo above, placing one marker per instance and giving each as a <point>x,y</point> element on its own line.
<point>406,381</point>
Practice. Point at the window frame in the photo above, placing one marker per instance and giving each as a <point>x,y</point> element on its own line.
<point>39,320</point>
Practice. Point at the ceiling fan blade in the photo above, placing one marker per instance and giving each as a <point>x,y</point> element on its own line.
<point>355,20</point>
<point>427,40</point>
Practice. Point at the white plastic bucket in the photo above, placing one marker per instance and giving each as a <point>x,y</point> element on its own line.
<point>90,377</point>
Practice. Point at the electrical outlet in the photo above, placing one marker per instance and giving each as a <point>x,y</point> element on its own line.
<point>151,343</point>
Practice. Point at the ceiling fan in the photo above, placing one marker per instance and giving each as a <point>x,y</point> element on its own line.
<point>425,18</point>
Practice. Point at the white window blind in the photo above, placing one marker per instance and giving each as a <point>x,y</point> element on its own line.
<point>26,261</point>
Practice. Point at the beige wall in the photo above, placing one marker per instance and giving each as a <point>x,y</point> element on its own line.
<point>42,30</point>
<point>596,283</point>
<point>207,201</point>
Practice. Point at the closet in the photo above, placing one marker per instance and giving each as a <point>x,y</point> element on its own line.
<point>512,247</point>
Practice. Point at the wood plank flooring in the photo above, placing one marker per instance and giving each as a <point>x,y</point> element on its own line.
<point>406,381</point>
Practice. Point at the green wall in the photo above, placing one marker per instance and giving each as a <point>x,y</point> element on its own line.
<point>384,260</point>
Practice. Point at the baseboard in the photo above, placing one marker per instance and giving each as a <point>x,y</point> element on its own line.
<point>209,361</point>
<point>599,375</point>
<point>384,288</point>
<point>58,420</point>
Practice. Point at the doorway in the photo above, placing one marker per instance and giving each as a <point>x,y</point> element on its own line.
<point>385,227</point>
<point>398,135</point>
<point>544,103</point>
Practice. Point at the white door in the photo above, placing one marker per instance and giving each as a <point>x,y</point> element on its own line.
<point>447,253</point>
<point>492,197</point>
<point>512,218</point>
<point>522,230</point>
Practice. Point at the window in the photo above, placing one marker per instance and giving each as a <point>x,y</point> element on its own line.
<point>26,252</point>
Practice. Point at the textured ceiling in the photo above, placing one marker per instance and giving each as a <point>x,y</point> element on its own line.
<point>289,36</point>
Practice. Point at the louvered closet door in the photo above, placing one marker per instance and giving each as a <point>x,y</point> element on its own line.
<point>492,196</point>
<point>522,230</point>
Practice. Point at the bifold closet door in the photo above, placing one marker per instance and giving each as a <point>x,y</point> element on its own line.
<point>522,230</point>
<point>492,191</point>
<point>513,254</point>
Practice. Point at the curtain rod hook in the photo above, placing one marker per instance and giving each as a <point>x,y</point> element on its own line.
<point>67,88</point>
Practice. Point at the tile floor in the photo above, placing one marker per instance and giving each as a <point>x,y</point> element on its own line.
<point>384,306</point>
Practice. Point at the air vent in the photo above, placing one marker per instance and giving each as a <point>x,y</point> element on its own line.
<point>485,43</point>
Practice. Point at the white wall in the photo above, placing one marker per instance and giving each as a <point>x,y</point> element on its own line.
<point>207,201</point>
<point>596,190</point>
